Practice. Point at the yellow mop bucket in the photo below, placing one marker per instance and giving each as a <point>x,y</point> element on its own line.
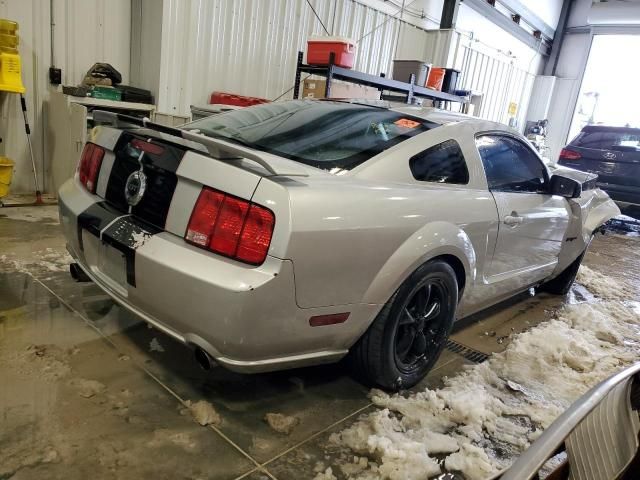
<point>6,172</point>
<point>10,63</point>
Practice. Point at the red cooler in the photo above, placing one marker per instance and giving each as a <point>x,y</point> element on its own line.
<point>225,98</point>
<point>319,49</point>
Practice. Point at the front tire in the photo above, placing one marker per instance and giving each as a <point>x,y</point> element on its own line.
<point>408,335</point>
<point>561,284</point>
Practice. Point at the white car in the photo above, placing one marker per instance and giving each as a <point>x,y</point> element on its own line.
<point>293,233</point>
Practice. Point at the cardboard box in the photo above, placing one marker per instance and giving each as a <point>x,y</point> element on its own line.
<point>315,89</point>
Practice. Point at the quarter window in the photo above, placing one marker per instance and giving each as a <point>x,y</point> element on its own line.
<point>442,163</point>
<point>510,165</point>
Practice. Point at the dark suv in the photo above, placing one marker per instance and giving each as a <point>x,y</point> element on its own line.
<point>611,152</point>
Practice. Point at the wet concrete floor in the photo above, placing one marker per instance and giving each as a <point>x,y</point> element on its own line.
<point>87,390</point>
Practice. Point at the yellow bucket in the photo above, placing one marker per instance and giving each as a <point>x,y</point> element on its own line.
<point>8,26</point>
<point>6,173</point>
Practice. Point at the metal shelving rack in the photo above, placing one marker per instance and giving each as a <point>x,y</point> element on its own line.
<point>334,72</point>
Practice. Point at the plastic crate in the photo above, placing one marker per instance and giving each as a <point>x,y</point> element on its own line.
<point>225,98</point>
<point>319,50</point>
<point>105,93</point>
<point>402,70</point>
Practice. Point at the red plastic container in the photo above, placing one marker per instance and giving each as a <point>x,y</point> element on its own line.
<point>319,49</point>
<point>436,78</point>
<point>225,98</point>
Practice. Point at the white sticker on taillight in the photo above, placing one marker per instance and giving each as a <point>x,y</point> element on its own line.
<point>197,237</point>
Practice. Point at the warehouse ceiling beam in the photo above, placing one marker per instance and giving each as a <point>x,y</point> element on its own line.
<point>528,16</point>
<point>552,61</point>
<point>507,23</point>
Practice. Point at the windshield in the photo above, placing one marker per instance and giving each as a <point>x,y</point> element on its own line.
<point>332,136</point>
<point>608,138</point>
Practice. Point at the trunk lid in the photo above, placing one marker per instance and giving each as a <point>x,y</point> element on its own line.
<point>160,178</point>
<point>173,171</point>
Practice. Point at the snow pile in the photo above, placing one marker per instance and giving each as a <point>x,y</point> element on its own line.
<point>204,413</point>
<point>601,285</point>
<point>326,475</point>
<point>487,415</point>
<point>281,423</point>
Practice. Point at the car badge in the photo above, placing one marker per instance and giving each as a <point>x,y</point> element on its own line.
<point>135,187</point>
<point>609,155</point>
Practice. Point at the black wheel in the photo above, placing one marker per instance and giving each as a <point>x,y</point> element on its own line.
<point>561,284</point>
<point>409,333</point>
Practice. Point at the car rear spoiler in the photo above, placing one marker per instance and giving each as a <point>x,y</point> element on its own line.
<point>217,148</point>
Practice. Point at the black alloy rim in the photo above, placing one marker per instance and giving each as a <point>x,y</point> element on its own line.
<point>421,326</point>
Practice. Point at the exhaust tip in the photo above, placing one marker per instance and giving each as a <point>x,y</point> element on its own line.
<point>203,359</point>
<point>77,273</point>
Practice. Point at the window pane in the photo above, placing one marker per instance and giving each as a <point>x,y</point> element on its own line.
<point>607,138</point>
<point>333,136</point>
<point>443,163</point>
<point>510,165</point>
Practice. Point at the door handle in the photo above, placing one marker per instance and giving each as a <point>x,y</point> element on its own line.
<point>513,219</point>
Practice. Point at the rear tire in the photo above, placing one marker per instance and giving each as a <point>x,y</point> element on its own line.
<point>408,335</point>
<point>561,284</point>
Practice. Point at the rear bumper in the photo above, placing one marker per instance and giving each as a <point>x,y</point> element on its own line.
<point>245,317</point>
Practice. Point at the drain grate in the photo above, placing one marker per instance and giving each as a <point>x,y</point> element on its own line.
<point>468,353</point>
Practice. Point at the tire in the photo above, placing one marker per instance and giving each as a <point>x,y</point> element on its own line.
<point>408,335</point>
<point>561,284</point>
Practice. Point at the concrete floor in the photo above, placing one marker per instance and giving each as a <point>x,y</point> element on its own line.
<point>88,390</point>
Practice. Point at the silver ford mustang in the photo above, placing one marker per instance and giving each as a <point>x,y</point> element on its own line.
<point>295,233</point>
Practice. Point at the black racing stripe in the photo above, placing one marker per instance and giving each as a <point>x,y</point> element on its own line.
<point>160,171</point>
<point>126,235</point>
<point>95,218</point>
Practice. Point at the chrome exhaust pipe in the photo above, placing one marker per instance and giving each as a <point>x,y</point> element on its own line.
<point>78,274</point>
<point>203,359</point>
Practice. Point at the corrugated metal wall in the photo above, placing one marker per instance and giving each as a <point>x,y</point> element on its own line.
<point>86,31</point>
<point>247,46</point>
<point>501,81</point>
<point>250,47</point>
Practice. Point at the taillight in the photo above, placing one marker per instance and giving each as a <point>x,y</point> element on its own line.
<point>89,167</point>
<point>256,235</point>
<point>231,226</point>
<point>567,154</point>
<point>226,234</point>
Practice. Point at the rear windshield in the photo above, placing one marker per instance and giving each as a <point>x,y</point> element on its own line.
<point>608,139</point>
<point>332,136</point>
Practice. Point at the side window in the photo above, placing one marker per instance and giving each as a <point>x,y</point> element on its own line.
<point>442,163</point>
<point>510,165</point>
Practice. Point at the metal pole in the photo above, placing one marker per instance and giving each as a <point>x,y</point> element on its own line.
<point>395,53</point>
<point>51,39</point>
<point>333,20</point>
<point>27,129</point>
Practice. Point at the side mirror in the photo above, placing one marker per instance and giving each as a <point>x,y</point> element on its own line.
<point>565,187</point>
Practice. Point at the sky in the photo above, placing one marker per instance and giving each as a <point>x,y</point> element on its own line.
<point>612,72</point>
